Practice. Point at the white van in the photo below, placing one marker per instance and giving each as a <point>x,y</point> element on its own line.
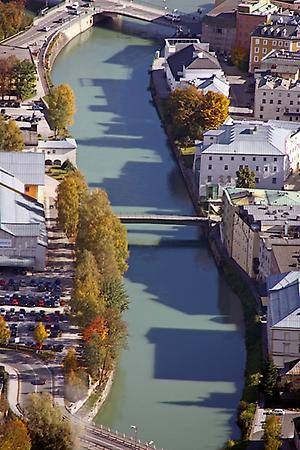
<point>175,17</point>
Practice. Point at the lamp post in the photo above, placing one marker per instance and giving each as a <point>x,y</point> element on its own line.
<point>135,429</point>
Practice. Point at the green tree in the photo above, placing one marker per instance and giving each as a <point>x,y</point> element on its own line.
<point>40,333</point>
<point>240,58</point>
<point>86,300</point>
<point>245,178</point>
<point>70,193</point>
<point>70,362</point>
<point>272,432</point>
<point>15,436</point>
<point>94,355</point>
<point>269,378</point>
<point>213,110</point>
<point>183,112</point>
<point>4,331</point>
<point>48,430</point>
<point>11,137</point>
<point>101,232</point>
<point>61,102</point>
<point>24,75</point>
<point>115,295</point>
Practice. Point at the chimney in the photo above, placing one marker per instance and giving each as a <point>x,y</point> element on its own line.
<point>286,228</point>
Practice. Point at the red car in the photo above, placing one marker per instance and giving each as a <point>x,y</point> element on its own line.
<point>2,282</point>
<point>15,302</point>
<point>41,302</point>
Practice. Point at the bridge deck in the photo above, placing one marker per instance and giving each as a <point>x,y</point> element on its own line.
<point>163,219</point>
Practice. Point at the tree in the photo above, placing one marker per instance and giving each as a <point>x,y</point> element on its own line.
<point>101,232</point>
<point>115,294</point>
<point>70,193</point>
<point>4,331</point>
<point>24,75</point>
<point>183,112</point>
<point>70,361</point>
<point>240,58</point>
<point>272,432</point>
<point>214,110</point>
<point>40,333</point>
<point>12,137</point>
<point>245,178</point>
<point>86,300</point>
<point>61,102</point>
<point>48,430</point>
<point>98,326</point>
<point>94,355</point>
<point>269,379</point>
<point>15,436</point>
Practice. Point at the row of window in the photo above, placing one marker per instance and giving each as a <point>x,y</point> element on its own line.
<point>266,168</point>
<point>229,179</point>
<point>279,102</point>
<point>279,94</point>
<point>243,158</point>
<point>278,118</point>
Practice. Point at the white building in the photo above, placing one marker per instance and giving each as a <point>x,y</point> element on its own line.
<point>284,317</point>
<point>189,62</point>
<point>57,152</point>
<point>277,98</point>
<point>23,235</point>
<point>270,149</point>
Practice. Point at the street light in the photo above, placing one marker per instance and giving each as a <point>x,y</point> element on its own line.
<point>135,428</point>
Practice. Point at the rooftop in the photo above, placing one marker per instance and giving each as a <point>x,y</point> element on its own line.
<point>64,144</point>
<point>270,82</point>
<point>262,197</point>
<point>28,167</point>
<point>283,31</point>
<point>286,251</point>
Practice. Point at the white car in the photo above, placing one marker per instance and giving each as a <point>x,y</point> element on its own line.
<point>278,412</point>
<point>45,29</point>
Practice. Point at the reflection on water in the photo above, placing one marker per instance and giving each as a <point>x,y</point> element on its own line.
<point>180,379</point>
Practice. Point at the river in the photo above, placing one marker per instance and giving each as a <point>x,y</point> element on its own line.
<point>181,377</point>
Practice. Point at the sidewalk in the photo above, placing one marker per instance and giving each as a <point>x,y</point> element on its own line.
<point>13,388</point>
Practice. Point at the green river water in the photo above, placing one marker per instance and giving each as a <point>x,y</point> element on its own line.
<point>181,377</point>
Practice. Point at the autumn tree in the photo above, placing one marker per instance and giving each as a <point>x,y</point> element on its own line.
<point>70,193</point>
<point>40,334</point>
<point>12,18</point>
<point>183,112</point>
<point>4,331</point>
<point>94,355</point>
<point>7,66</point>
<point>15,436</point>
<point>97,326</point>
<point>11,137</point>
<point>101,232</point>
<point>213,110</point>
<point>86,300</point>
<point>245,178</point>
<point>70,362</point>
<point>272,432</point>
<point>24,76</point>
<point>269,378</point>
<point>61,102</point>
<point>48,430</point>
<point>240,58</point>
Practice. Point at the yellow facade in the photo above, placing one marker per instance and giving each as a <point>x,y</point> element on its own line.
<point>31,190</point>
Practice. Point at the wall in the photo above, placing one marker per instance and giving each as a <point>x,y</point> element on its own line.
<point>245,25</point>
<point>284,345</point>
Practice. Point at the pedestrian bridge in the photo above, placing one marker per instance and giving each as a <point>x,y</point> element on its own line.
<point>164,219</point>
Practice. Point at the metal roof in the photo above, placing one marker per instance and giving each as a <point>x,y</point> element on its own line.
<point>28,167</point>
<point>64,144</point>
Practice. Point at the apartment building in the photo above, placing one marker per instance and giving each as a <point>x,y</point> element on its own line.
<point>277,98</point>
<point>250,214</point>
<point>282,33</point>
<point>283,318</point>
<point>270,149</point>
<point>278,254</point>
<point>280,63</point>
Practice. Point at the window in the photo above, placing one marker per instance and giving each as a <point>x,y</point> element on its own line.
<point>210,158</point>
<point>274,169</point>
<point>264,93</point>
<point>209,167</point>
<point>261,108</point>
<point>229,181</point>
<point>275,159</point>
<point>277,109</point>
<point>221,158</point>
<point>280,43</point>
<point>271,102</point>
<point>256,50</point>
<point>219,30</point>
<point>279,102</point>
<point>256,180</point>
<point>266,168</point>
<point>263,100</point>
<point>286,44</point>
<point>274,180</point>
<point>265,41</point>
<point>261,116</point>
<point>256,41</point>
<point>27,188</point>
<point>225,167</point>
<point>274,42</point>
<point>277,117</point>
<point>291,102</point>
<point>255,58</point>
<point>257,168</point>
<point>240,167</point>
<point>253,159</point>
<point>265,159</point>
<point>243,158</point>
<point>298,44</point>
<point>209,178</point>
<point>288,95</point>
<point>232,158</point>
<point>264,51</point>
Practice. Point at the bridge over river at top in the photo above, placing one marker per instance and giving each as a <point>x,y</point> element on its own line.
<point>165,219</point>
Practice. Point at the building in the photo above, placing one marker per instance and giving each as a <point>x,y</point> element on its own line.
<point>57,152</point>
<point>282,33</point>
<point>23,235</point>
<point>219,26</point>
<point>280,63</point>
<point>29,168</point>
<point>297,432</point>
<point>249,15</point>
<point>270,149</point>
<point>277,98</point>
<point>249,215</point>
<point>189,62</point>
<point>278,253</point>
<point>283,318</point>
